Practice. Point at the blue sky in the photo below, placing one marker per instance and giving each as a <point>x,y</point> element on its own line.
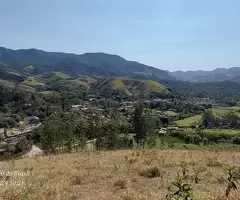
<point>167,34</point>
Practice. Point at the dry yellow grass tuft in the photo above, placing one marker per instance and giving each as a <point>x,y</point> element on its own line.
<point>118,175</point>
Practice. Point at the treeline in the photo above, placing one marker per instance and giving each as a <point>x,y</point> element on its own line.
<point>223,92</point>
<point>67,132</point>
<point>229,121</point>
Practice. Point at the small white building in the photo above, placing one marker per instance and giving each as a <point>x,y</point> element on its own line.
<point>91,145</point>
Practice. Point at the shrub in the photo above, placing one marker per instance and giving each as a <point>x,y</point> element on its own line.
<point>151,142</point>
<point>187,138</point>
<point>180,188</point>
<point>151,172</point>
<point>76,180</point>
<point>120,183</point>
<point>205,141</point>
<point>196,139</point>
<point>128,198</point>
<point>232,181</point>
<point>213,162</point>
<point>236,140</point>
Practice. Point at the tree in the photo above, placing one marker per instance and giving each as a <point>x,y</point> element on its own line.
<point>80,134</point>
<point>139,122</point>
<point>236,140</point>
<point>144,125</point>
<point>234,119</point>
<point>208,119</point>
<point>108,136</point>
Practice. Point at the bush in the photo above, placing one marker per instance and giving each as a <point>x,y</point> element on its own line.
<point>76,180</point>
<point>23,146</point>
<point>236,140</point>
<point>151,172</point>
<point>205,141</point>
<point>213,162</point>
<point>187,138</point>
<point>196,139</point>
<point>120,184</point>
<point>151,142</point>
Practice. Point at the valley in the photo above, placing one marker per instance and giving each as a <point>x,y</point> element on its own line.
<point>120,120</point>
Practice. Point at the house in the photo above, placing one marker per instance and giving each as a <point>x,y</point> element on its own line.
<point>2,134</point>
<point>2,130</point>
<point>76,107</point>
<point>162,131</point>
<point>127,103</point>
<point>172,128</point>
<point>91,145</point>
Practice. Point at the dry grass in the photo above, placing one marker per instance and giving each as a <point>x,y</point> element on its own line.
<point>117,175</point>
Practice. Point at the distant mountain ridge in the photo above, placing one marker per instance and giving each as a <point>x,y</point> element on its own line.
<point>34,62</point>
<point>217,75</point>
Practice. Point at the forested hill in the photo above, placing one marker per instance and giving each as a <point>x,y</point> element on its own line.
<point>34,62</point>
<point>217,75</point>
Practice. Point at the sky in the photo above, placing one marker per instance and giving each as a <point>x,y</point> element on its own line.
<point>167,34</point>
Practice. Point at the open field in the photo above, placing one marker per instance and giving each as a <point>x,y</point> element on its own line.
<point>61,75</point>
<point>6,83</point>
<point>33,81</point>
<point>219,111</point>
<point>170,113</point>
<point>118,175</point>
<point>12,85</point>
<point>221,131</point>
<point>189,121</point>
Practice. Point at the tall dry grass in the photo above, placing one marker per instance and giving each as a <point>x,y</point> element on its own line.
<point>122,174</point>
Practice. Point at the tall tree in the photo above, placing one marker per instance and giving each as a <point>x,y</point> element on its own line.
<point>139,125</point>
<point>208,119</point>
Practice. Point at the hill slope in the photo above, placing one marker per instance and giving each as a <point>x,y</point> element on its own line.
<point>133,86</point>
<point>105,175</point>
<point>217,75</point>
<point>33,61</point>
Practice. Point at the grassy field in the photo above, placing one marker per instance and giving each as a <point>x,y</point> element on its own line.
<point>170,113</point>
<point>153,86</point>
<point>33,81</point>
<point>118,175</point>
<point>133,86</point>
<point>235,108</point>
<point>85,81</point>
<point>48,92</point>
<point>6,83</point>
<point>12,85</point>
<point>218,111</point>
<point>221,131</point>
<point>189,121</point>
<point>61,75</point>
<point>169,140</point>
<point>221,111</point>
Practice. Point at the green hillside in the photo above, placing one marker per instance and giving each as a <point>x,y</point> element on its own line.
<point>11,84</point>
<point>33,81</point>
<point>153,86</point>
<point>61,75</point>
<point>133,86</point>
<point>194,120</point>
<point>86,81</point>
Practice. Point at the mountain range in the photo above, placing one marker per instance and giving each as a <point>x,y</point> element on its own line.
<point>217,75</point>
<point>34,62</point>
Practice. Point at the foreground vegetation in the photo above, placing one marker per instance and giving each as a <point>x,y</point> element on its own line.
<point>122,174</point>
